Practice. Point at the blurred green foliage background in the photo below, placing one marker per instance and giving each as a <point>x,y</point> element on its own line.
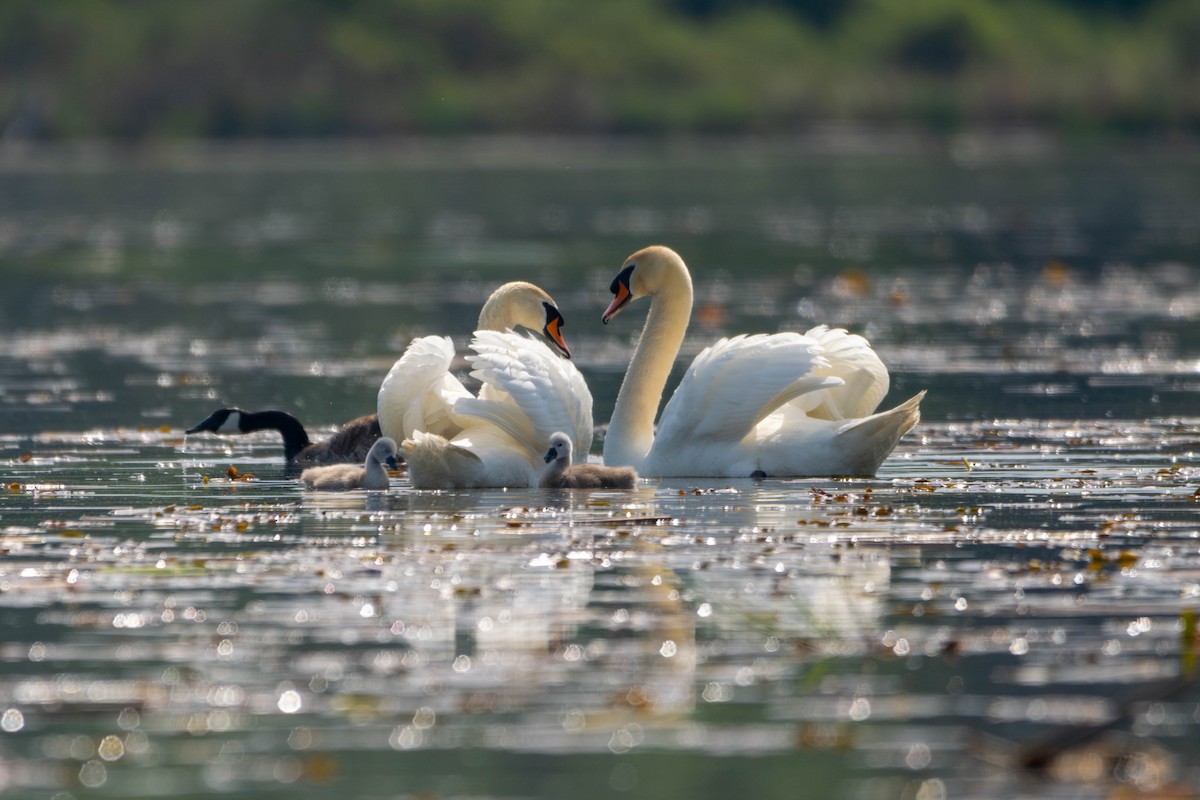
<point>144,69</point>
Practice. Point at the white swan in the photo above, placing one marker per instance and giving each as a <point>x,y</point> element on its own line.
<point>562,474</point>
<point>784,404</point>
<point>420,389</point>
<point>343,477</point>
<point>453,439</point>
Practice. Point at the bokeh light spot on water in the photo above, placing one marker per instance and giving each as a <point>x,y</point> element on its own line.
<point>1017,568</point>
<point>93,774</point>
<point>12,720</point>
<point>289,701</point>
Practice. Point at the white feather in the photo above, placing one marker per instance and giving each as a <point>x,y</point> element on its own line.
<point>528,392</point>
<point>419,391</point>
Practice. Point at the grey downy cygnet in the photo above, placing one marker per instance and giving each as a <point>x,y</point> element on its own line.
<point>343,477</point>
<point>562,475</point>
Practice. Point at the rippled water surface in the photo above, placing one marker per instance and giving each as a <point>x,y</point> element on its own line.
<point>1006,610</point>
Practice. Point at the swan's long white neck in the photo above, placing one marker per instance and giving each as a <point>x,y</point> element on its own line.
<point>631,431</point>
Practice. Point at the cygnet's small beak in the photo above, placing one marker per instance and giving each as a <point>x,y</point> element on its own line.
<point>391,462</point>
<point>553,454</point>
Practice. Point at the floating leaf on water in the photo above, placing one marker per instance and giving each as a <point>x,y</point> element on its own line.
<point>1126,559</point>
<point>232,473</point>
<point>320,768</point>
<point>14,488</point>
<point>25,457</point>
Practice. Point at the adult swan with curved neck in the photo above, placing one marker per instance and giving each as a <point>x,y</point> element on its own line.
<point>773,405</point>
<point>455,439</point>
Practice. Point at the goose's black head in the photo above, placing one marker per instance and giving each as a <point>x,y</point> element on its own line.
<point>223,420</point>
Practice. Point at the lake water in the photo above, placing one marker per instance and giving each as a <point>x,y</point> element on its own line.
<point>1007,609</point>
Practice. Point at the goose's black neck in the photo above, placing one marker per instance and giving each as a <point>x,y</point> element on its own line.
<point>295,438</point>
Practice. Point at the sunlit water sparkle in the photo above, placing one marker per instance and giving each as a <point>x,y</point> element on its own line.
<point>1024,570</point>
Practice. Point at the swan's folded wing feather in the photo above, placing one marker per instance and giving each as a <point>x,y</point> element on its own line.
<point>851,358</point>
<point>419,391</point>
<point>733,384</point>
<point>529,391</point>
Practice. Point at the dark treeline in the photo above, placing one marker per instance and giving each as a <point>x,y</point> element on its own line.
<point>142,69</point>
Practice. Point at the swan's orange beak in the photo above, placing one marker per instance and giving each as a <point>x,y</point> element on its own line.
<point>623,296</point>
<point>553,331</point>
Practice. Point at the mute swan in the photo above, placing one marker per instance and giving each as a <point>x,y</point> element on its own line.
<point>343,477</point>
<point>562,475</point>
<point>783,404</point>
<point>349,445</point>
<point>453,439</point>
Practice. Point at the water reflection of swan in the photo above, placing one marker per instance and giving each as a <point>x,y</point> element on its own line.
<point>785,404</point>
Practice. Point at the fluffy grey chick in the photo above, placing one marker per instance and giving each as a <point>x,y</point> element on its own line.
<point>561,475</point>
<point>342,477</point>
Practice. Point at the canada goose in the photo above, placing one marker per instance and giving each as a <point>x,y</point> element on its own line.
<point>453,438</point>
<point>783,404</point>
<point>562,475</point>
<point>349,445</point>
<point>343,477</point>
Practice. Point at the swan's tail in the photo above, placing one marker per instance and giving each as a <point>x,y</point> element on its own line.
<point>434,462</point>
<point>873,438</point>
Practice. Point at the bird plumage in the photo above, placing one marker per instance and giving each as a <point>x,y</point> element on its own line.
<point>344,477</point>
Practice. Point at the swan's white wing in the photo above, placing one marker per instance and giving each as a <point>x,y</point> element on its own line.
<point>529,391</point>
<point>419,391</point>
<point>865,377</point>
<point>733,384</point>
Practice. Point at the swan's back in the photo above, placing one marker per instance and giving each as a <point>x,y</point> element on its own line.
<point>479,457</point>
